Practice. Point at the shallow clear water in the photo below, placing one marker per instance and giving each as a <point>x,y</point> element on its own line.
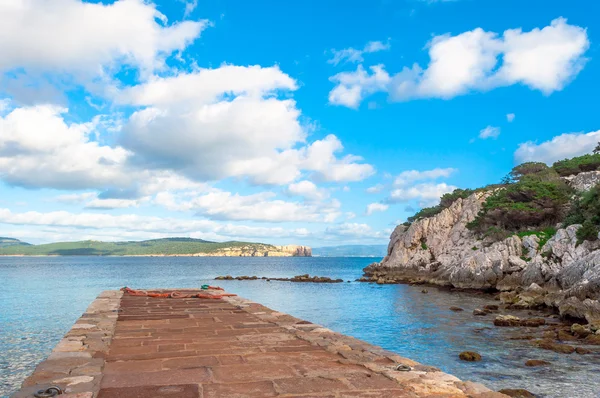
<point>43,296</point>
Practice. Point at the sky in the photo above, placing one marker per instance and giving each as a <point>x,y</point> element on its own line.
<point>287,122</point>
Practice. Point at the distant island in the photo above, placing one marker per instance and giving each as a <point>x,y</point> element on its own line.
<point>351,251</point>
<point>154,247</point>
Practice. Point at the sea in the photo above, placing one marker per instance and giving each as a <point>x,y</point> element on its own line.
<point>41,297</point>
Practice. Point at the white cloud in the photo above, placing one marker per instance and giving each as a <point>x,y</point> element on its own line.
<point>190,5</point>
<point>427,193</point>
<point>352,87</point>
<point>560,147</point>
<point>543,59</point>
<point>39,149</point>
<point>308,190</point>
<point>375,188</point>
<point>87,38</point>
<point>510,117</point>
<point>489,132</point>
<point>213,136</point>
<point>374,207</point>
<point>75,198</point>
<point>77,224</point>
<point>207,86</point>
<point>353,55</point>
<point>407,177</point>
<point>221,205</point>
<point>105,204</point>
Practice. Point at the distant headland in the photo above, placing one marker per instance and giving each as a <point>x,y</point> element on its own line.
<point>188,247</point>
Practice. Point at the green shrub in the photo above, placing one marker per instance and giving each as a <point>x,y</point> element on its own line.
<point>445,201</point>
<point>534,200</point>
<point>577,165</point>
<point>588,231</point>
<point>543,235</point>
<point>585,210</point>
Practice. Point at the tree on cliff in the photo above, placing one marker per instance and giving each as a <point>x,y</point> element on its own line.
<point>534,196</point>
<point>597,149</point>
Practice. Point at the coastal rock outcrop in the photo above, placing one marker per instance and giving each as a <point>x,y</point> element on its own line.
<point>263,251</point>
<point>442,250</point>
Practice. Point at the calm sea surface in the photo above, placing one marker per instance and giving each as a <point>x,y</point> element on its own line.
<point>43,296</point>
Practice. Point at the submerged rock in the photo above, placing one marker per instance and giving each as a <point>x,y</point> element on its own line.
<point>556,347</point>
<point>536,362</point>
<point>469,356</point>
<point>582,351</point>
<point>456,309</point>
<point>517,393</point>
<point>507,320</point>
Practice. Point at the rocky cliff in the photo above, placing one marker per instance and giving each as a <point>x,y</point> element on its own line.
<point>441,250</point>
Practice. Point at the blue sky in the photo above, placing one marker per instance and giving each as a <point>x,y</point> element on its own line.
<point>316,123</point>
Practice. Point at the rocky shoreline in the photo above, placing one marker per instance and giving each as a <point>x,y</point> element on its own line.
<point>306,278</point>
<point>559,273</point>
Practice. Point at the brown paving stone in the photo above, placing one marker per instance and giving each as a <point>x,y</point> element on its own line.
<point>190,362</point>
<point>152,365</point>
<point>251,372</point>
<point>162,378</point>
<point>393,393</point>
<point>175,391</point>
<point>307,385</point>
<point>257,389</point>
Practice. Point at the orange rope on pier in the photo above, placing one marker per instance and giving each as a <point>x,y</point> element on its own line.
<point>176,294</point>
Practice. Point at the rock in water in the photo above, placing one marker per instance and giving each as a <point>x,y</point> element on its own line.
<point>556,347</point>
<point>582,351</point>
<point>507,320</point>
<point>478,312</point>
<point>517,393</point>
<point>470,356</point>
<point>456,309</point>
<point>536,362</point>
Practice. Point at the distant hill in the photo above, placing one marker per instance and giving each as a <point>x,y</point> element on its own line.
<point>155,247</point>
<point>351,251</point>
<point>5,242</point>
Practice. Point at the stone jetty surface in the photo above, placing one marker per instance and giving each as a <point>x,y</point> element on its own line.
<point>138,346</point>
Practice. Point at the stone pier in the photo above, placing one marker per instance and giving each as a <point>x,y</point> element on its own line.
<point>135,346</point>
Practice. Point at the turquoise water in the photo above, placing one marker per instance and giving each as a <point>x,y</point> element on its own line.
<point>43,296</point>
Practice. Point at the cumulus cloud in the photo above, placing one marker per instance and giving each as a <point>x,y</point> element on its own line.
<point>38,148</point>
<point>227,122</point>
<point>543,59</point>
<point>489,132</point>
<point>375,207</point>
<point>88,38</point>
<point>426,193</point>
<point>410,176</point>
<point>222,205</point>
<point>308,190</point>
<point>558,148</point>
<point>353,55</point>
<point>139,225</point>
<point>352,87</point>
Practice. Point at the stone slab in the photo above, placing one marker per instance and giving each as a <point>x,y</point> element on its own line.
<point>138,346</point>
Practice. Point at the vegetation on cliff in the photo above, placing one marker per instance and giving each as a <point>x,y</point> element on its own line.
<point>585,210</point>
<point>167,246</point>
<point>532,199</point>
